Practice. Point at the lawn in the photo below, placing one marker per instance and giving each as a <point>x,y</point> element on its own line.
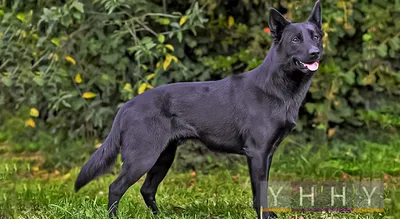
<point>28,191</point>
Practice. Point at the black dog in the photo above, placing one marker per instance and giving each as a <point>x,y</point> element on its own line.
<point>247,114</point>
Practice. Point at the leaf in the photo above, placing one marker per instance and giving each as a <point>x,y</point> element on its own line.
<point>158,64</point>
<point>231,21</point>
<point>180,36</point>
<point>98,145</point>
<point>369,79</point>
<point>349,77</point>
<point>6,81</point>
<point>193,31</point>
<point>128,87</point>
<point>66,176</point>
<point>70,59</point>
<point>34,112</point>
<point>367,37</point>
<point>395,43</point>
<point>30,123</point>
<point>174,24</point>
<point>78,78</point>
<point>21,17</point>
<point>53,56</point>
<point>38,80</point>
<point>111,59</point>
<point>66,104</point>
<point>55,41</point>
<point>167,62</point>
<point>191,42</point>
<point>174,58</point>
<point>78,6</point>
<point>310,107</point>
<point>164,21</point>
<point>142,88</point>
<point>382,50</point>
<point>89,95</point>
<point>144,67</point>
<point>161,38</point>
<point>331,132</point>
<point>321,126</point>
<point>183,20</point>
<point>170,47</point>
<point>150,76</point>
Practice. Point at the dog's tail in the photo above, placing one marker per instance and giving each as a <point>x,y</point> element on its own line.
<point>102,158</point>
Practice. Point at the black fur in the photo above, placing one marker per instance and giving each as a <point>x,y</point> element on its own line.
<point>247,114</point>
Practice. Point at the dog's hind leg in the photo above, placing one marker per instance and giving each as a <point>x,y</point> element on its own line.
<point>156,175</point>
<point>139,155</point>
<point>130,174</point>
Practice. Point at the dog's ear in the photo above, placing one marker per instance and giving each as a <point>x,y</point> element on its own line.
<point>316,15</point>
<point>276,24</point>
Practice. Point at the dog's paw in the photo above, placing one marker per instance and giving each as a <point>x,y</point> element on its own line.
<point>269,215</point>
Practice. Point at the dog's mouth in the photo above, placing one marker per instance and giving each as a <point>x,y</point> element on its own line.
<point>313,66</point>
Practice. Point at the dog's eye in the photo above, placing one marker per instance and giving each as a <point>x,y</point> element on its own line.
<point>295,40</point>
<point>316,38</point>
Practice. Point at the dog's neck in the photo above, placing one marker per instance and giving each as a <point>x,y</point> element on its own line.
<point>272,76</point>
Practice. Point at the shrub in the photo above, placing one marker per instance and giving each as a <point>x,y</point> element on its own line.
<point>76,62</point>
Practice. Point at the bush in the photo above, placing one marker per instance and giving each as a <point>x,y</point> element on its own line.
<point>76,62</point>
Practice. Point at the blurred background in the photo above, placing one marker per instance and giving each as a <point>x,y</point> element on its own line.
<point>66,66</point>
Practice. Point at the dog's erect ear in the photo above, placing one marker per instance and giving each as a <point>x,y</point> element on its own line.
<point>316,15</point>
<point>276,24</point>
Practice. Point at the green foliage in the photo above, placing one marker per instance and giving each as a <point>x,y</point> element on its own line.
<point>18,136</point>
<point>78,62</point>
<point>362,158</point>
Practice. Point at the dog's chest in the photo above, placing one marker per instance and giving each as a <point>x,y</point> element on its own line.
<point>292,107</point>
<point>292,112</point>
<point>288,112</point>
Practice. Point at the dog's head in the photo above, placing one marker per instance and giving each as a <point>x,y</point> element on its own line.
<point>298,44</point>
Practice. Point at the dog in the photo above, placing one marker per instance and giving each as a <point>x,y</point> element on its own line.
<point>248,114</point>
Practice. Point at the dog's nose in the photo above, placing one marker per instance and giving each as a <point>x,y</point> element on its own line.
<point>314,53</point>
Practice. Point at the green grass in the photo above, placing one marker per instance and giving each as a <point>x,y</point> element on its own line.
<point>216,195</point>
<point>26,192</point>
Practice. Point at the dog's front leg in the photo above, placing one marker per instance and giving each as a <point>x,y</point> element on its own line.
<point>259,165</point>
<point>260,148</point>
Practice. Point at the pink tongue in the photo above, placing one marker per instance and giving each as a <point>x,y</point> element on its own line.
<point>312,67</point>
